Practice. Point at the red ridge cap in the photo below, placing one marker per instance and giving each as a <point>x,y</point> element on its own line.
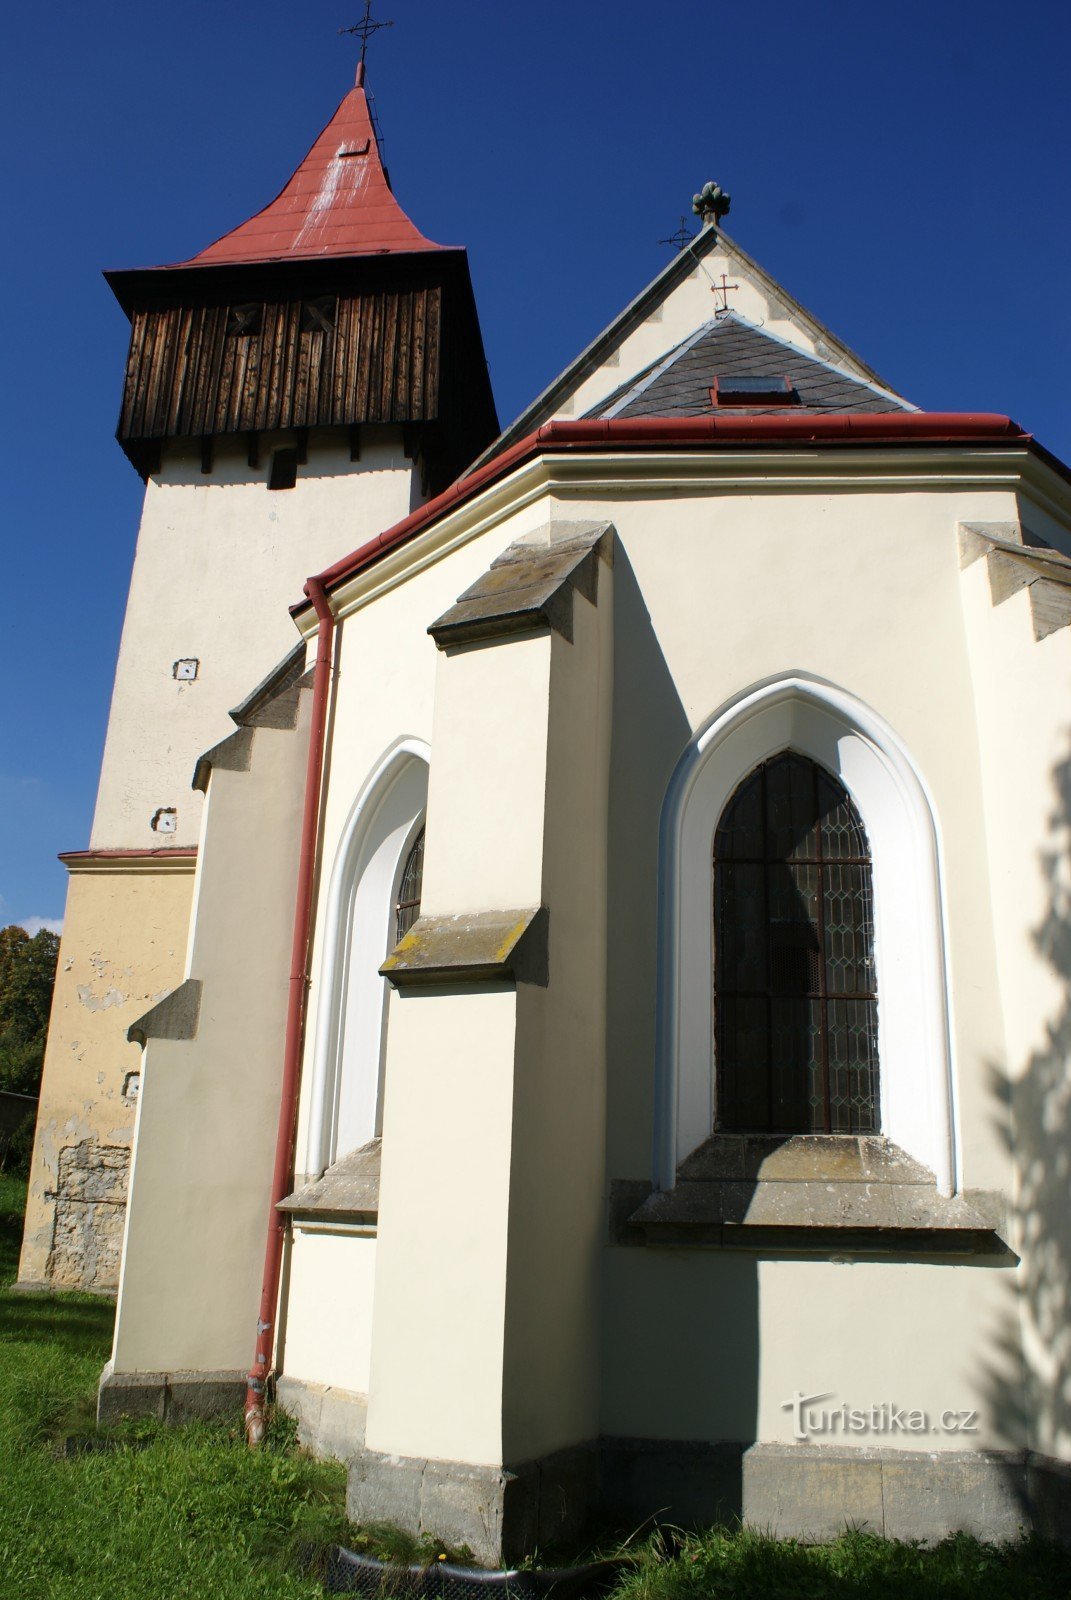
<point>606,433</point>
<point>337,203</point>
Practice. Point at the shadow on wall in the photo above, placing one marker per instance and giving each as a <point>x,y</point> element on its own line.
<point>650,729</point>
<point>326,455</point>
<point>676,1365</point>
<point>1028,1375</point>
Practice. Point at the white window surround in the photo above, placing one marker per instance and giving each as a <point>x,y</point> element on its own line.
<point>347,1067</point>
<point>914,1042</point>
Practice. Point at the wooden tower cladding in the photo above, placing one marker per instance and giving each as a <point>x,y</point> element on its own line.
<point>327,309</point>
<point>230,351</point>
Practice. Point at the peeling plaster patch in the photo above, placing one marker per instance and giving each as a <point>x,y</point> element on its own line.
<point>100,1002</point>
<point>90,1196</point>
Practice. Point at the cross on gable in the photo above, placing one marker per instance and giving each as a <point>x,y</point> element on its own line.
<point>366,28</point>
<point>724,288</point>
<point>682,235</point>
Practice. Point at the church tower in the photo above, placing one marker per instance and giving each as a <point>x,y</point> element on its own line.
<point>290,391</point>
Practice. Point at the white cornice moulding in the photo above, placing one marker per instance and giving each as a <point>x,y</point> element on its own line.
<point>137,861</point>
<point>802,470</point>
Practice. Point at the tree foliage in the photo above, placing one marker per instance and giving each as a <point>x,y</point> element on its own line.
<point>27,975</point>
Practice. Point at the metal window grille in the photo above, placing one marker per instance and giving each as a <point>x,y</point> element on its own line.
<point>795,996</point>
<point>407,909</point>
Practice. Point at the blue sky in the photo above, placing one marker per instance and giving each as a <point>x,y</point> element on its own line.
<point>902,169</point>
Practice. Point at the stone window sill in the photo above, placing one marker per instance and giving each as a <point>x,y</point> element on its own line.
<point>813,1193</point>
<point>345,1198</point>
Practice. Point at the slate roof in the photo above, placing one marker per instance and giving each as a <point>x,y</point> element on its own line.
<point>338,202</point>
<point>678,384</point>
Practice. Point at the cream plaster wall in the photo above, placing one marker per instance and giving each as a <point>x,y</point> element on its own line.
<point>385,691</point>
<point>1022,693</point>
<point>714,591</point>
<point>488,779</point>
<point>209,1106</point>
<point>557,1185</point>
<point>488,846</point>
<point>124,942</point>
<point>440,1293</point>
<point>714,595</point>
<point>219,559</point>
<point>329,1297</point>
<point>711,1345</point>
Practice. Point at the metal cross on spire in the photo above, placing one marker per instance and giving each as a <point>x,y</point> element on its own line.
<point>366,28</point>
<point>682,236</point>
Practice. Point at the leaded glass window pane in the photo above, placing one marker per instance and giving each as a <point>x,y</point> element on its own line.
<point>795,998</point>
<point>408,907</point>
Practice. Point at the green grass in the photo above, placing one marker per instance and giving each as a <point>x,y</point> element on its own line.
<point>161,1514</point>
<point>746,1565</point>
<point>177,1514</point>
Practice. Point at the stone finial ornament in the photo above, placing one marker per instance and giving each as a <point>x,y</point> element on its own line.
<point>711,203</point>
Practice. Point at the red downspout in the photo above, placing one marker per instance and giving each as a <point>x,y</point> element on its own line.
<point>295,1020</point>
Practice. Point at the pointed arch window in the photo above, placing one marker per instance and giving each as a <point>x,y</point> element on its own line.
<point>795,996</point>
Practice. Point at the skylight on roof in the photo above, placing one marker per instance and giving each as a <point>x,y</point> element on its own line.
<point>763,390</point>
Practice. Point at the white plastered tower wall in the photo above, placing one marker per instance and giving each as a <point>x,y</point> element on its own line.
<point>219,558</point>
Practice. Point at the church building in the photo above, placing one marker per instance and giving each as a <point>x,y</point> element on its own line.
<point>571,999</point>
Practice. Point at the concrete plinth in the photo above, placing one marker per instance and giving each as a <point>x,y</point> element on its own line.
<point>170,1396</point>
<point>330,1421</point>
<point>500,1513</point>
<point>809,1492</point>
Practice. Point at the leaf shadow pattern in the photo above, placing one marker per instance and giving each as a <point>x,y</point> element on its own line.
<point>1027,1369</point>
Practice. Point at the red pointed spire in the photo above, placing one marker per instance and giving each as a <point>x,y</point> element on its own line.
<point>337,203</point>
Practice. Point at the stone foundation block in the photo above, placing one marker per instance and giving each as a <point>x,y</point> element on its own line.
<point>816,1491</point>
<point>930,1497</point>
<point>1048,1494</point>
<point>686,1483</point>
<point>330,1421</point>
<point>798,1492</point>
<point>169,1396</point>
<point>500,1513</point>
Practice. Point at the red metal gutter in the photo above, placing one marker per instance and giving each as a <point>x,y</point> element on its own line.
<point>295,1020</point>
<point>862,428</point>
